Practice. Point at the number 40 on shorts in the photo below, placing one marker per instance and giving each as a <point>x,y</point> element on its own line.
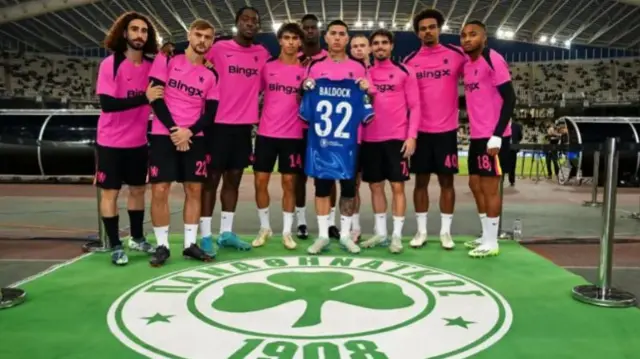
<point>357,349</point>
<point>451,161</point>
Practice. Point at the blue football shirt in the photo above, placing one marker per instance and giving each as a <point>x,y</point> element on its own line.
<point>334,111</point>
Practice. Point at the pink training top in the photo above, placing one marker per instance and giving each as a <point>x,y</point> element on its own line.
<point>120,78</point>
<point>239,68</point>
<point>319,55</point>
<point>438,70</point>
<point>187,87</point>
<point>397,94</point>
<point>280,84</point>
<point>482,78</point>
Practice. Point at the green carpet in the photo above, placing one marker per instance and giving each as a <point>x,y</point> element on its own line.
<point>270,303</point>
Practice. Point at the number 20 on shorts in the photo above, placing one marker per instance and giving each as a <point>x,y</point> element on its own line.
<point>356,349</point>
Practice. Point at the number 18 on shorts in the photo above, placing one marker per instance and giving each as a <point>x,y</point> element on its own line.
<point>482,164</point>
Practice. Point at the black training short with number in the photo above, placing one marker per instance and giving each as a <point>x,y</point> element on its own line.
<point>383,161</point>
<point>287,152</point>
<point>482,164</point>
<point>167,164</point>
<point>230,146</point>
<point>115,166</point>
<point>436,153</point>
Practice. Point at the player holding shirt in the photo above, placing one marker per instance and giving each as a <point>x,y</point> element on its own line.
<point>122,127</point>
<point>239,63</point>
<point>390,140</point>
<point>336,66</point>
<point>178,150</point>
<point>438,68</point>
<point>280,133</point>
<point>311,50</point>
<point>491,100</point>
<point>360,49</point>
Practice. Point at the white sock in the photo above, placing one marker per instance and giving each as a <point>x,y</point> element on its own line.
<point>332,217</point>
<point>162,235</point>
<point>398,223</point>
<point>483,224</point>
<point>323,226</point>
<point>263,213</point>
<point>190,234</point>
<point>226,222</point>
<point>381,224</point>
<point>355,222</point>
<point>445,223</point>
<point>287,222</point>
<point>205,226</point>
<point>301,215</point>
<point>422,222</point>
<point>345,226</point>
<point>491,237</point>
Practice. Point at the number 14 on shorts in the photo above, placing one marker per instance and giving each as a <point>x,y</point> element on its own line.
<point>353,349</point>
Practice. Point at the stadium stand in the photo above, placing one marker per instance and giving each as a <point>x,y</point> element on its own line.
<point>69,82</point>
<point>50,76</point>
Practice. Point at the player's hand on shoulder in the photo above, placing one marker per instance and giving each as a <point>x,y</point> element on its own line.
<point>209,64</point>
<point>154,92</point>
<point>408,147</point>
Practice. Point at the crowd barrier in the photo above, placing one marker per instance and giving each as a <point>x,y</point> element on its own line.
<point>602,293</point>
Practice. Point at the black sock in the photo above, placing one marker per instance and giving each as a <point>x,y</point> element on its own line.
<point>136,219</point>
<point>113,233</point>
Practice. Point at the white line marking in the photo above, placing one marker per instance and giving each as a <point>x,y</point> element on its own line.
<point>49,270</point>
<point>25,260</point>
<point>596,267</point>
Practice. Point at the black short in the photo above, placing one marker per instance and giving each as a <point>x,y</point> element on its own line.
<point>436,153</point>
<point>382,161</point>
<point>324,186</point>
<point>230,146</point>
<point>115,166</point>
<point>287,151</point>
<point>167,164</point>
<point>481,164</point>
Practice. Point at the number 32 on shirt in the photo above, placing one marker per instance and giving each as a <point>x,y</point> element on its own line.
<point>342,110</point>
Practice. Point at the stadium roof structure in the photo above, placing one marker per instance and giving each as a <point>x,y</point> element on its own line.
<point>61,25</point>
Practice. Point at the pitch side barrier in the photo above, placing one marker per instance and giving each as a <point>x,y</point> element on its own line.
<point>602,293</point>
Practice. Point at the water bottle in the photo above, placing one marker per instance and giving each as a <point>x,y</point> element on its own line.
<point>517,230</point>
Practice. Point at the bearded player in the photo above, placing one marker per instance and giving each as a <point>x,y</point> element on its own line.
<point>490,100</point>
<point>279,136</point>
<point>178,150</point>
<point>122,152</point>
<point>390,140</point>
